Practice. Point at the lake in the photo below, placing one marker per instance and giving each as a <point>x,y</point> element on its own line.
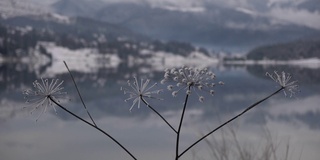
<point>282,127</point>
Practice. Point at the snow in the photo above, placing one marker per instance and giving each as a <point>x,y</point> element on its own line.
<point>312,63</point>
<point>86,60</point>
<point>89,60</point>
<point>58,18</point>
<point>161,60</point>
<point>24,30</point>
<point>12,8</point>
<point>35,60</point>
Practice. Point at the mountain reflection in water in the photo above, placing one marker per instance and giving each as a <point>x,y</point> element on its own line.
<point>60,136</point>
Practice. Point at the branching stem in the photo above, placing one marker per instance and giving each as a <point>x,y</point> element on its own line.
<point>145,102</point>
<point>180,125</point>
<point>230,120</point>
<point>92,125</point>
<point>74,82</point>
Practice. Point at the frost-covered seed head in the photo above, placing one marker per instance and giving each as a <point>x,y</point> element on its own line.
<point>188,78</point>
<point>42,94</point>
<point>212,92</point>
<point>283,80</point>
<point>174,93</point>
<point>163,81</point>
<point>201,98</point>
<point>138,91</point>
<point>166,75</point>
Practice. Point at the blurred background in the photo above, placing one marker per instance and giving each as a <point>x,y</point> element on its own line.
<point>106,42</point>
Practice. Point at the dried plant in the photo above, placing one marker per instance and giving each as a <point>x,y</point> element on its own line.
<point>229,146</point>
<point>192,80</point>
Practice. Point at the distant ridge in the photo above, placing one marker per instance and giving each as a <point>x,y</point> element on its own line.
<point>301,49</point>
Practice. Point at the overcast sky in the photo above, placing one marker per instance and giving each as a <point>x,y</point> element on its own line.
<point>282,11</point>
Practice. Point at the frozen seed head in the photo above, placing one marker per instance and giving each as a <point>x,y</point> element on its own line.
<point>174,93</point>
<point>201,98</point>
<point>190,79</point>
<point>283,80</point>
<point>138,91</point>
<point>221,83</point>
<point>43,91</point>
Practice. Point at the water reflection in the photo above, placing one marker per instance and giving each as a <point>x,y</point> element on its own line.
<point>60,136</point>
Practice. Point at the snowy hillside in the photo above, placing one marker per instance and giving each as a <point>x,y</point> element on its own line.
<point>236,25</point>
<point>11,8</point>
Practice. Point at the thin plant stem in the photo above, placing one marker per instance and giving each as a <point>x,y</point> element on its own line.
<point>180,124</point>
<point>230,120</point>
<point>92,125</point>
<point>74,82</point>
<point>287,151</point>
<point>145,102</point>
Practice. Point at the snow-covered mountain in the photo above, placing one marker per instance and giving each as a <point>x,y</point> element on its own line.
<point>29,8</point>
<point>12,8</point>
<point>208,22</point>
<point>304,11</point>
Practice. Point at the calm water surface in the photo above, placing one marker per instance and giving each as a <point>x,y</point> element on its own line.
<point>292,122</point>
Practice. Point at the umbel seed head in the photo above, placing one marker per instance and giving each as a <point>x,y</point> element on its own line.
<point>283,80</point>
<point>45,90</point>
<point>139,91</point>
<point>190,79</point>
